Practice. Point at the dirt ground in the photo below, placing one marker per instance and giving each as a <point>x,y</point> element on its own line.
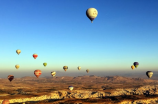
<point>28,87</point>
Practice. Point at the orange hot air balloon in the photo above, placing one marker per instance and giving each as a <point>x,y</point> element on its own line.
<point>132,67</point>
<point>37,73</point>
<point>10,77</point>
<point>5,102</point>
<point>35,56</point>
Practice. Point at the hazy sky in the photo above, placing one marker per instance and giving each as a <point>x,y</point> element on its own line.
<point>125,31</point>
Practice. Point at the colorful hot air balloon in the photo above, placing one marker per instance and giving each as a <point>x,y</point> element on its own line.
<point>132,67</point>
<point>53,73</point>
<point>71,88</point>
<point>17,66</point>
<point>65,68</point>
<point>92,13</point>
<point>136,64</point>
<point>87,70</point>
<point>149,74</point>
<point>18,51</point>
<point>45,64</point>
<point>10,77</point>
<point>37,73</point>
<point>5,102</point>
<point>35,56</point>
<point>79,68</point>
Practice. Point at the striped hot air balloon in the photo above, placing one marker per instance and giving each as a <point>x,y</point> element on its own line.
<point>35,56</point>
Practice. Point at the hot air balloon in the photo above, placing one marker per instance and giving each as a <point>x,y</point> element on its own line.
<point>149,74</point>
<point>53,73</point>
<point>17,66</point>
<point>87,70</point>
<point>132,67</point>
<point>45,64</point>
<point>92,13</point>
<point>5,102</point>
<point>136,64</point>
<point>18,51</point>
<point>37,73</point>
<point>71,88</point>
<point>65,68</point>
<point>79,68</point>
<point>10,77</point>
<point>35,56</point>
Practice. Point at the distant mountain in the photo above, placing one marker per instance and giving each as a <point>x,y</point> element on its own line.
<point>131,74</point>
<point>92,78</point>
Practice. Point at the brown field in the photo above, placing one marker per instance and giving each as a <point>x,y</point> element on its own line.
<point>28,87</point>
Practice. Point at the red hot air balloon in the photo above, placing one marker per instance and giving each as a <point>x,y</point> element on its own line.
<point>37,73</point>
<point>5,102</point>
<point>35,56</point>
<point>10,77</point>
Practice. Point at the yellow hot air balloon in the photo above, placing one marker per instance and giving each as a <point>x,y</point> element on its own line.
<point>17,66</point>
<point>87,70</point>
<point>132,67</point>
<point>65,68</point>
<point>79,68</point>
<point>53,73</point>
<point>92,13</point>
<point>18,51</point>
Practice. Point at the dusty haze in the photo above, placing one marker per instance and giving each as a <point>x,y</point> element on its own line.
<point>45,73</point>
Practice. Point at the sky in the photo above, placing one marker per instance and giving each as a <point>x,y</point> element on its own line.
<point>125,31</point>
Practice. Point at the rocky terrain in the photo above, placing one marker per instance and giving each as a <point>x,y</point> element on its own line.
<point>87,89</point>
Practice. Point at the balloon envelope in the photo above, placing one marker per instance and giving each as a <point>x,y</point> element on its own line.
<point>37,73</point>
<point>132,67</point>
<point>71,88</point>
<point>5,102</point>
<point>18,51</point>
<point>79,68</point>
<point>92,13</point>
<point>35,56</point>
<point>87,70</point>
<point>45,64</point>
<point>149,74</point>
<point>136,64</point>
<point>65,68</point>
<point>10,77</point>
<point>53,73</point>
<point>17,66</point>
